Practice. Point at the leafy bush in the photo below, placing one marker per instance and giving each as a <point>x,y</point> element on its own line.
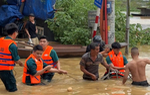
<point>136,34</point>
<point>70,26</point>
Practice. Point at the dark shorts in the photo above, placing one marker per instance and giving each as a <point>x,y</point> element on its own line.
<point>142,83</point>
<point>47,76</point>
<point>8,80</point>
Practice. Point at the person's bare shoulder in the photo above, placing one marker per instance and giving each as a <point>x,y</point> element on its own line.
<point>131,62</point>
<point>146,60</point>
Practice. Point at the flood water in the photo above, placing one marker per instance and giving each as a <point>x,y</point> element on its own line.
<point>60,83</point>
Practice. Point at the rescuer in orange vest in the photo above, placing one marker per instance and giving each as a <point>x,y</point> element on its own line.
<point>116,59</point>
<point>50,57</point>
<point>34,67</point>
<point>8,57</point>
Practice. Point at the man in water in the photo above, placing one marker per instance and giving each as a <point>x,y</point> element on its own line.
<point>34,67</point>
<point>9,57</point>
<point>49,56</point>
<point>90,61</point>
<point>137,69</point>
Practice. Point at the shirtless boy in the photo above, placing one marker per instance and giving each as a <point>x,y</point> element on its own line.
<point>137,69</point>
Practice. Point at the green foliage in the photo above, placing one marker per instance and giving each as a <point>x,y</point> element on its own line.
<point>70,24</point>
<point>136,34</point>
<point>121,5</point>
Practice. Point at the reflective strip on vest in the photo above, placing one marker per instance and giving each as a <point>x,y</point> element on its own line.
<point>6,61</point>
<point>33,79</point>
<point>47,58</point>
<point>116,60</point>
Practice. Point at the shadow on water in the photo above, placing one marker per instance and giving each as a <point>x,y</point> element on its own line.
<point>60,83</point>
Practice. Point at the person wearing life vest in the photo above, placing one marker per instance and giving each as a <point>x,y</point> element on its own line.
<point>50,57</point>
<point>34,67</point>
<point>117,60</point>
<point>9,57</point>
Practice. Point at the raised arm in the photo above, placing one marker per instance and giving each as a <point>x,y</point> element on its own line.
<point>147,61</point>
<point>125,74</point>
<point>105,52</point>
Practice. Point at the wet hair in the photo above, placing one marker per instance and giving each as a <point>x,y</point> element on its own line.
<point>43,37</point>
<point>116,45</point>
<point>134,51</point>
<point>37,47</point>
<point>11,28</point>
<point>93,45</point>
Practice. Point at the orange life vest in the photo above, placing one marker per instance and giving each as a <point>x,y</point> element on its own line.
<point>117,60</point>
<point>47,58</point>
<point>6,60</point>
<point>34,79</point>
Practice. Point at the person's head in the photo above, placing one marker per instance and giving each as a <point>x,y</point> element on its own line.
<point>97,39</point>
<point>43,41</point>
<point>134,52</point>
<point>94,48</point>
<point>116,47</point>
<point>31,17</point>
<point>37,51</point>
<point>12,30</point>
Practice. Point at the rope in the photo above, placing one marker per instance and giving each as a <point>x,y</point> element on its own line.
<point>72,77</point>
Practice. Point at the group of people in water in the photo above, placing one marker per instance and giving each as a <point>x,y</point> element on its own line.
<point>43,63</point>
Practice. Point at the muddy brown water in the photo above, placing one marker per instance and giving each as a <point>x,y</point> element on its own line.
<point>60,83</point>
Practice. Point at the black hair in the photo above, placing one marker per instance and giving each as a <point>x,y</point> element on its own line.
<point>11,28</point>
<point>116,45</point>
<point>134,51</point>
<point>37,47</point>
<point>43,37</point>
<point>134,48</point>
<point>93,45</point>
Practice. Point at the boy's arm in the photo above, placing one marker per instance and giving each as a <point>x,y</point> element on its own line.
<point>118,68</point>
<point>43,70</point>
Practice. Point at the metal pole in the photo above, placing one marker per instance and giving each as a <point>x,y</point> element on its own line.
<point>127,27</point>
<point>111,21</point>
<point>96,22</point>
